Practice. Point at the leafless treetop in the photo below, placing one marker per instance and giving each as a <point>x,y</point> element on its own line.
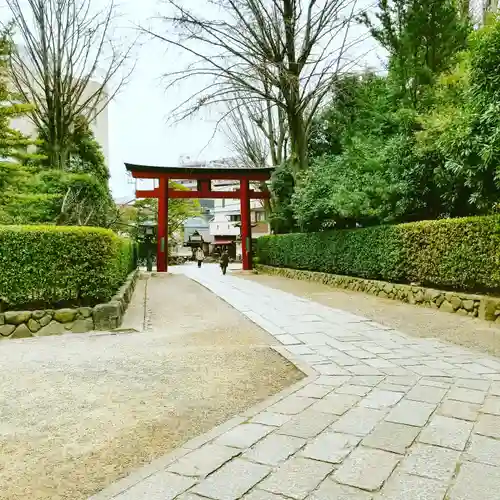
<point>69,62</point>
<point>247,42</point>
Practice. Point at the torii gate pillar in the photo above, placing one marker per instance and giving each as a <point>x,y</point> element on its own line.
<point>246,239</point>
<point>162,238</point>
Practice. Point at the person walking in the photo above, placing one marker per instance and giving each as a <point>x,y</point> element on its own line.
<point>200,256</point>
<point>224,261</point>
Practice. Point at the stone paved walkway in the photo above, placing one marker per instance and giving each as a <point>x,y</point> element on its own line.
<point>381,416</point>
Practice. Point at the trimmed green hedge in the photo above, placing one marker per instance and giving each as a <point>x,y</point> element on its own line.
<point>55,266</point>
<point>462,254</point>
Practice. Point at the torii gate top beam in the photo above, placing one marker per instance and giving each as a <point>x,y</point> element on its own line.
<point>200,173</point>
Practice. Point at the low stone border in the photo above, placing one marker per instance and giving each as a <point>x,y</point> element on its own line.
<point>479,306</point>
<point>24,324</point>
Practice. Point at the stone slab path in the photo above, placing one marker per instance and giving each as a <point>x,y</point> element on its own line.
<point>381,415</point>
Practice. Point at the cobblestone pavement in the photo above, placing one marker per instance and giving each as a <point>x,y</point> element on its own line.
<point>384,416</point>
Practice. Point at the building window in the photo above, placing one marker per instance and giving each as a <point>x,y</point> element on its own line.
<point>223,203</point>
<point>235,218</point>
<point>258,216</point>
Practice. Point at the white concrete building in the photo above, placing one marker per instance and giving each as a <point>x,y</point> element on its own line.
<point>226,214</point>
<point>99,123</point>
<point>225,227</point>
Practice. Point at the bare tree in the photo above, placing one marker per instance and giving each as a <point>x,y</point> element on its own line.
<point>258,135</point>
<point>247,141</point>
<point>68,65</point>
<point>257,132</point>
<point>284,53</point>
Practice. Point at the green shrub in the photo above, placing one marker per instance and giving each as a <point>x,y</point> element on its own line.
<point>450,253</point>
<point>55,266</point>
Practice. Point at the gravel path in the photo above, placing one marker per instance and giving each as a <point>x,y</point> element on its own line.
<point>412,320</point>
<point>80,411</point>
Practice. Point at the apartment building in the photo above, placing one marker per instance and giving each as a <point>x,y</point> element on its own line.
<point>98,122</point>
<point>480,9</point>
<point>225,226</point>
<point>225,215</point>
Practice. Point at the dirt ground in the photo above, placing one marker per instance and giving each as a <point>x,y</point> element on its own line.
<point>418,321</point>
<point>78,412</point>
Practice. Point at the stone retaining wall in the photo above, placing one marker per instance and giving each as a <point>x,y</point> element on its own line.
<point>481,306</point>
<point>23,324</point>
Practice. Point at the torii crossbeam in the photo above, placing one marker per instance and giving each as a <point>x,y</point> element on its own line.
<point>204,177</point>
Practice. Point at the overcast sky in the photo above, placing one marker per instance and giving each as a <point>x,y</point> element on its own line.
<point>139,131</point>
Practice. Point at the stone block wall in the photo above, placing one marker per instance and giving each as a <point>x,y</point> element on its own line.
<point>479,306</point>
<point>24,324</point>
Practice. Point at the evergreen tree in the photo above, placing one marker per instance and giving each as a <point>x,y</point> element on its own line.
<point>83,182</point>
<point>13,144</point>
<point>85,155</point>
<point>422,38</point>
<point>79,195</point>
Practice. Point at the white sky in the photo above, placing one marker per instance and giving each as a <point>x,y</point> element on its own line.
<point>138,128</point>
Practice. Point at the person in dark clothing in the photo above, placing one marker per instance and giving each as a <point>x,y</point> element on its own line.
<point>224,261</point>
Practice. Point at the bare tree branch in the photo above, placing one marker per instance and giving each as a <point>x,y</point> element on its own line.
<point>68,65</point>
<point>278,55</point>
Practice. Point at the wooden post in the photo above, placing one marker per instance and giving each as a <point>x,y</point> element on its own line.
<point>162,249</point>
<point>246,228</point>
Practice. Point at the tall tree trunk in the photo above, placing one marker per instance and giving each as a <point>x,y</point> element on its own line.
<point>298,142</point>
<point>69,66</point>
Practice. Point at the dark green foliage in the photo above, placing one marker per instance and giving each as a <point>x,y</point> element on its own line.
<point>461,136</point>
<point>485,58</point>
<point>86,154</point>
<point>452,253</point>
<point>29,208</point>
<point>377,159</point>
<point>57,197</point>
<point>83,195</point>
<point>13,144</point>
<point>282,187</point>
<point>360,104</point>
<point>48,266</point>
<point>422,38</point>
<point>343,190</point>
<point>366,182</point>
<point>369,253</point>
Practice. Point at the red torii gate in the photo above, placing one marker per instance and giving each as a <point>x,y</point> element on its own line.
<point>204,177</point>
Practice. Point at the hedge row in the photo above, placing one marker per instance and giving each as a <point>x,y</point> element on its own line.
<point>54,266</point>
<point>461,254</point>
